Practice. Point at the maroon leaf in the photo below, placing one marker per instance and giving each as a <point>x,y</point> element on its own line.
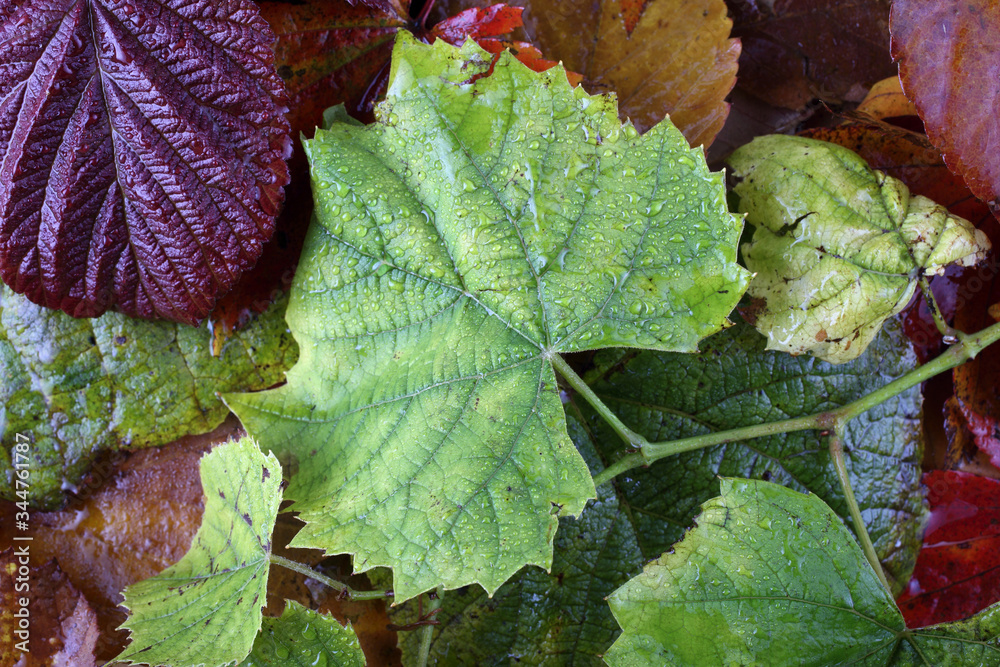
<point>949,64</point>
<point>141,152</point>
<point>958,568</point>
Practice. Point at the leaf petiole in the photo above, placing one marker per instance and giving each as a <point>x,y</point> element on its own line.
<point>949,334</point>
<point>969,346</point>
<point>344,590</point>
<point>837,454</point>
<point>631,438</point>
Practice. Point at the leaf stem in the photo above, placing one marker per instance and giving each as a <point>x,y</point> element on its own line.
<point>427,632</point>
<point>968,348</point>
<point>837,454</point>
<point>948,334</point>
<point>631,438</point>
<point>344,590</point>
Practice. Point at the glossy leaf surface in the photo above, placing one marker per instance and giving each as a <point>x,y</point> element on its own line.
<point>958,568</point>
<point>949,64</point>
<point>544,618</point>
<point>837,247</point>
<point>771,575</point>
<point>77,387</point>
<point>466,237</point>
<point>205,609</point>
<point>142,148</point>
<point>734,382</point>
<point>304,638</point>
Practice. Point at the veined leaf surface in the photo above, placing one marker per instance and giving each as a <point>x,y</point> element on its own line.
<point>301,637</point>
<point>837,247</point>
<point>769,575</point>
<point>142,147</point>
<point>479,228</point>
<point>205,609</point>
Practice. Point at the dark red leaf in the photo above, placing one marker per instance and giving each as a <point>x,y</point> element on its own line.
<point>142,146</point>
<point>949,63</point>
<point>478,22</point>
<point>380,5</point>
<point>976,382</point>
<point>958,568</point>
<point>798,50</point>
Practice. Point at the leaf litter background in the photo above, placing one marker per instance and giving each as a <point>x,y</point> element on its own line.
<point>956,443</point>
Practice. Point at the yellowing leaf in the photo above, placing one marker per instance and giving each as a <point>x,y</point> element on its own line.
<point>837,247</point>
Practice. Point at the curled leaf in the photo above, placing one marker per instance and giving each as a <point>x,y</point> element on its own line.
<point>837,247</point>
<point>143,147</point>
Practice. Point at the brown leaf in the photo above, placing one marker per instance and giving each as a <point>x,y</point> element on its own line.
<point>138,518</point>
<point>58,628</point>
<point>798,50</point>
<point>949,63</point>
<point>676,59</point>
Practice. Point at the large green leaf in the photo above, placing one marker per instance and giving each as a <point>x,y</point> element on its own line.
<point>206,608</point>
<point>772,576</point>
<point>838,247</point>
<point>734,382</point>
<point>304,638</point>
<point>543,618</point>
<point>477,229</point>
<point>75,387</point>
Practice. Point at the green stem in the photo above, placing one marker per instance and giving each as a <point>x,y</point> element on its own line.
<point>949,334</point>
<point>632,438</point>
<point>427,632</point>
<point>342,588</point>
<point>837,453</point>
<point>968,348</point>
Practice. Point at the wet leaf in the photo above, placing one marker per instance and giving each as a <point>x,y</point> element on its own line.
<point>798,50</point>
<point>660,56</point>
<point>143,150</point>
<point>837,247</point>
<point>733,382</point>
<point>474,232</point>
<point>540,618</point>
<point>949,63</point>
<point>911,158</point>
<point>78,387</point>
<point>138,518</point>
<point>304,638</point>
<point>56,627</point>
<point>976,385</point>
<point>958,568</point>
<point>769,574</point>
<point>205,609</point>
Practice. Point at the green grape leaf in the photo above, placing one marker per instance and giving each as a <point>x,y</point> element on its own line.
<point>771,575</point>
<point>206,608</point>
<point>479,227</point>
<point>542,618</point>
<point>837,247</point>
<point>304,638</point>
<point>735,382</point>
<point>76,387</point>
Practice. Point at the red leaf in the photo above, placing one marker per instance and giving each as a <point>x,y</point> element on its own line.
<point>478,22</point>
<point>632,11</point>
<point>798,50</point>
<point>958,568</point>
<point>949,64</point>
<point>142,146</point>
